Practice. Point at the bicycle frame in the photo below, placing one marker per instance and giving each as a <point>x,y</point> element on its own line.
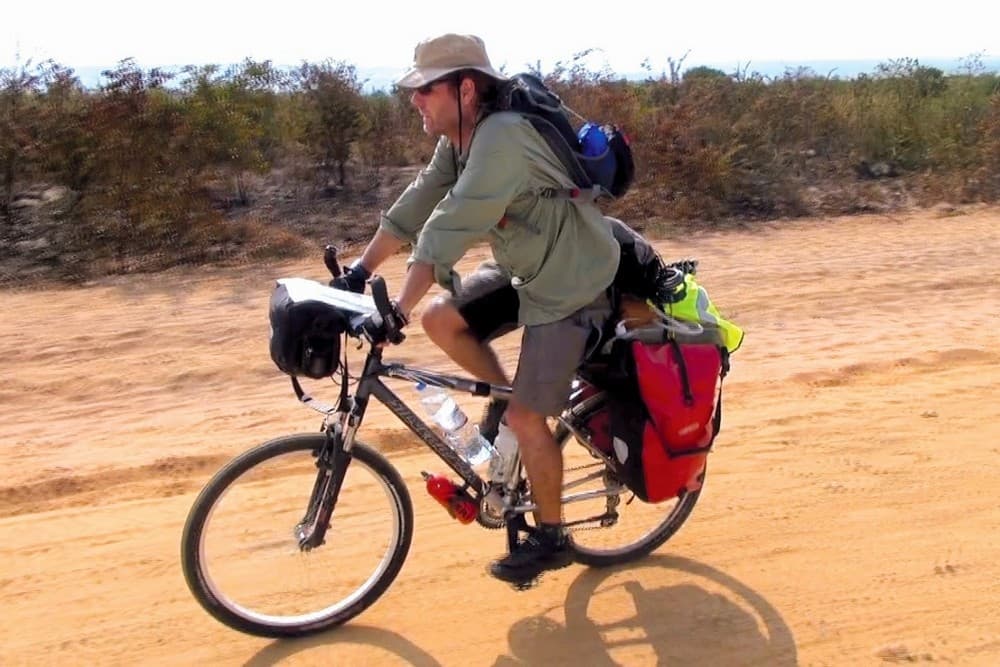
<point>343,422</point>
<point>371,384</point>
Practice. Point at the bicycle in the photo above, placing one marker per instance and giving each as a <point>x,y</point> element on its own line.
<point>309,501</point>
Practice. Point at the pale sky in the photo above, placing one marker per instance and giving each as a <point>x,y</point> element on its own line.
<point>371,34</point>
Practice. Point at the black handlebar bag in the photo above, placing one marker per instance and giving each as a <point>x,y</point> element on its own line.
<point>305,335</point>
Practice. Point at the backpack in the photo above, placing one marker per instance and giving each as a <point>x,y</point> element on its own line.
<point>597,158</point>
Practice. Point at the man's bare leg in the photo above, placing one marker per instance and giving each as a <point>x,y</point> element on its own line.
<point>546,548</point>
<point>542,460</point>
<point>447,329</point>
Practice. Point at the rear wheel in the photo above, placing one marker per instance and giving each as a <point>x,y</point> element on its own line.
<point>241,554</point>
<point>631,528</point>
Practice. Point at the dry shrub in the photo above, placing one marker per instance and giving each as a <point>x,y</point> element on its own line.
<point>679,173</point>
<point>988,175</point>
<point>148,164</point>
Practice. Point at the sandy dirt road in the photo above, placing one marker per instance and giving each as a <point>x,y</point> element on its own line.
<point>850,516</point>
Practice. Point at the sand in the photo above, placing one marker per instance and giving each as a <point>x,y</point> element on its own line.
<point>850,515</point>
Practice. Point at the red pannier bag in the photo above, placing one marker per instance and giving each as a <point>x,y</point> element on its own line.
<point>680,387</point>
<point>663,411</point>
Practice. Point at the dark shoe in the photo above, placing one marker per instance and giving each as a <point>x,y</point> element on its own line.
<point>489,424</point>
<point>536,554</point>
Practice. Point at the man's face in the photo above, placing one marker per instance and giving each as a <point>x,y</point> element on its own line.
<point>438,107</point>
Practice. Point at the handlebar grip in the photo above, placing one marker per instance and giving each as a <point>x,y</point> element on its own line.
<point>381,296</point>
<point>386,311</point>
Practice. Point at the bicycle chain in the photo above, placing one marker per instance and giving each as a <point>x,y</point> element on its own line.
<point>597,519</point>
<point>495,523</point>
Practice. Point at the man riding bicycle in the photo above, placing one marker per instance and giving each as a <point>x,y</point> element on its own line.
<point>554,262</point>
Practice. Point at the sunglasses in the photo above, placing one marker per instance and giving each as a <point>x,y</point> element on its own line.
<point>428,88</point>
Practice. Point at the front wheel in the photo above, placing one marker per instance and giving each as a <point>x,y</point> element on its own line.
<point>240,547</point>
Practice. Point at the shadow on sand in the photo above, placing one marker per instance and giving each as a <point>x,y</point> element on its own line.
<point>723,623</point>
<point>719,621</point>
<point>278,651</point>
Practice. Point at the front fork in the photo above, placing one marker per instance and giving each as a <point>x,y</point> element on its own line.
<point>331,464</point>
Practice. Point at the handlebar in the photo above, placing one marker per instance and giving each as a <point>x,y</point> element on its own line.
<point>383,318</point>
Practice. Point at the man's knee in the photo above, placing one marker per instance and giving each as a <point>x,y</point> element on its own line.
<point>526,423</point>
<point>442,321</point>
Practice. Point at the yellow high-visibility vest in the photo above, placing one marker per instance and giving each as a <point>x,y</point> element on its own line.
<point>693,305</point>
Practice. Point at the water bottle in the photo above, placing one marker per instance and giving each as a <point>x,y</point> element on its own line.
<point>452,497</point>
<point>598,161</point>
<point>505,447</point>
<point>463,437</point>
<point>593,140</point>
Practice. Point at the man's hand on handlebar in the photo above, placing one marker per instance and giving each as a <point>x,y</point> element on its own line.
<point>352,279</point>
<point>385,327</point>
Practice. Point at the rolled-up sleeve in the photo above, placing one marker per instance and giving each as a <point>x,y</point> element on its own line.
<point>410,211</point>
<point>495,173</point>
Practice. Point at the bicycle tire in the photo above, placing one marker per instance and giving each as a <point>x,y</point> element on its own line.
<point>234,614</point>
<point>676,514</point>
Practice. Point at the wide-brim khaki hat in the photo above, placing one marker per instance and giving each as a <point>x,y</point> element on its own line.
<point>438,57</point>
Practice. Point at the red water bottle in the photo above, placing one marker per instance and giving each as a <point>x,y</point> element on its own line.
<point>458,503</point>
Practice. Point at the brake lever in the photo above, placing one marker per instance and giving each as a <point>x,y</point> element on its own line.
<point>380,294</point>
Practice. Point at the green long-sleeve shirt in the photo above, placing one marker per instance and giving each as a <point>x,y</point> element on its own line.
<point>560,254</point>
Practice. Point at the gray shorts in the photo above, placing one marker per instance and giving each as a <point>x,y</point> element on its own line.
<point>550,353</point>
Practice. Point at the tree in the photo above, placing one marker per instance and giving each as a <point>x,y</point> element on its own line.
<point>381,141</point>
<point>67,145</point>
<point>331,101</point>
<point>703,72</point>
<point>230,120</point>
<point>140,198</point>
<point>17,87</point>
